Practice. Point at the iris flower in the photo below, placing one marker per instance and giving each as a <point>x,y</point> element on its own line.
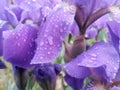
<point>40,27</point>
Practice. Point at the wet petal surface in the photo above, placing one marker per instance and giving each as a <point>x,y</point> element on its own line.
<point>52,35</point>
<point>19,45</point>
<point>98,55</point>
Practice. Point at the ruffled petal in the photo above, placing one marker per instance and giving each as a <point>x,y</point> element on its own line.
<point>3,4</point>
<point>100,54</point>
<point>3,26</point>
<point>45,72</point>
<point>13,14</point>
<point>75,83</point>
<point>53,33</point>
<point>19,45</point>
<point>114,30</point>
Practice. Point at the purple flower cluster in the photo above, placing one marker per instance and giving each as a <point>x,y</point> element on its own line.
<point>32,33</point>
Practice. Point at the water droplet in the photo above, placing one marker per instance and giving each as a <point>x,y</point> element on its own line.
<point>45,48</point>
<point>13,33</point>
<point>48,52</point>
<point>93,58</point>
<point>90,61</point>
<point>61,30</point>
<point>115,68</point>
<point>41,43</point>
<point>18,44</point>
<point>18,34</point>
<point>56,26</point>
<point>50,48</point>
<point>96,47</point>
<point>24,40</point>
<point>50,40</point>
<point>78,64</point>
<point>67,70</point>
<point>93,55</point>
<point>65,28</point>
<point>61,38</point>
<point>28,2</point>
<point>41,57</point>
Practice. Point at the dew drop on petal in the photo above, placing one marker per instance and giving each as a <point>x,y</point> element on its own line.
<point>50,40</point>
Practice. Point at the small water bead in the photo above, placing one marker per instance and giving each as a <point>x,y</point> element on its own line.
<point>93,55</point>
<point>41,57</point>
<point>67,70</point>
<point>61,30</point>
<point>13,33</point>
<point>79,64</point>
<point>45,35</point>
<point>50,48</point>
<point>115,68</point>
<point>61,38</point>
<point>41,43</point>
<point>45,48</point>
<point>24,40</point>
<point>93,58</point>
<point>33,0</point>
<point>18,44</point>
<point>56,26</point>
<point>29,2</point>
<point>50,40</point>
<point>19,34</point>
<point>48,52</point>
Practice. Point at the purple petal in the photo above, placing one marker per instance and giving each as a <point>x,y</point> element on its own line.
<point>88,7</point>
<point>45,72</point>
<point>3,4</point>
<point>91,32</point>
<point>19,45</point>
<point>76,71</point>
<point>57,68</point>
<point>13,14</point>
<point>11,17</point>
<point>74,29</point>
<point>75,83</point>
<point>29,4</point>
<point>34,15</point>
<point>114,30</point>
<point>100,54</point>
<point>3,26</point>
<point>17,11</point>
<point>53,33</point>
<point>115,88</point>
<point>93,29</point>
<point>115,27</point>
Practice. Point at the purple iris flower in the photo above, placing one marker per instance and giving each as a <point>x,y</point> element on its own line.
<point>81,66</point>
<point>46,75</point>
<point>41,41</point>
